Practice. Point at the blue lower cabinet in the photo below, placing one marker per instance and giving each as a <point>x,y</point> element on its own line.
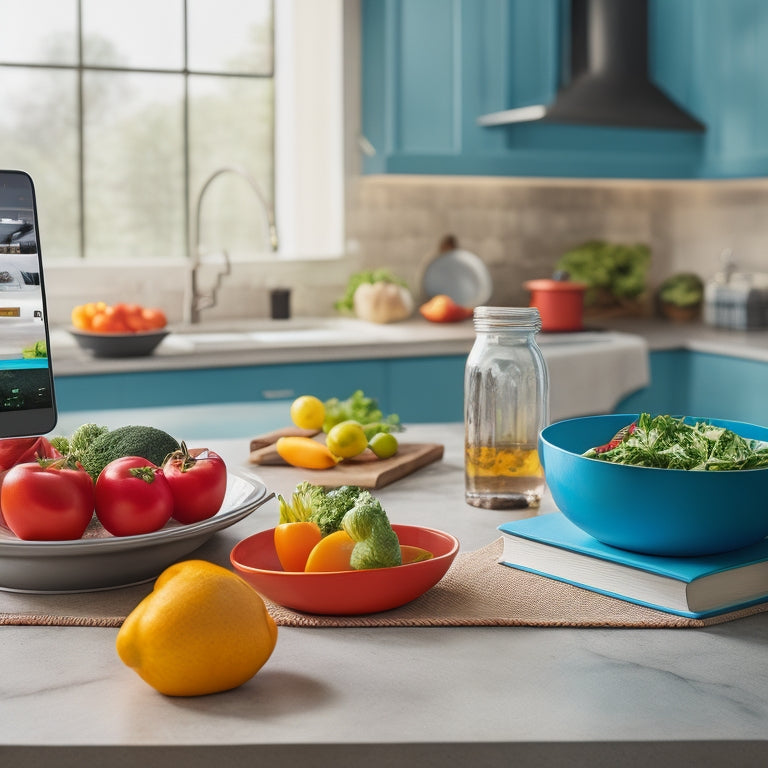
<point>668,391</point>
<point>427,389</point>
<point>219,385</point>
<point>417,389</point>
<point>705,385</point>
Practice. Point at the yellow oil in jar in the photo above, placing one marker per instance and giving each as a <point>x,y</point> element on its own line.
<point>503,476</point>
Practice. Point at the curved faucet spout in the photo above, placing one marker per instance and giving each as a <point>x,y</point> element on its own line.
<point>196,301</point>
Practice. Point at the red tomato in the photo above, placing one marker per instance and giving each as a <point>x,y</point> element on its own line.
<point>133,497</point>
<point>19,450</point>
<point>47,500</point>
<point>198,480</point>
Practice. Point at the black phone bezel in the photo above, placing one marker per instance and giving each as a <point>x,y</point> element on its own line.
<point>27,422</point>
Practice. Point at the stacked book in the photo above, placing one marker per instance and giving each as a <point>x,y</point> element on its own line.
<point>695,587</point>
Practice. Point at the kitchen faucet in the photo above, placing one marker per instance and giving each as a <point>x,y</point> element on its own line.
<point>196,301</point>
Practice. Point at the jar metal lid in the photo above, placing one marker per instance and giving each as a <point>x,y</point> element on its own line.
<point>499,318</point>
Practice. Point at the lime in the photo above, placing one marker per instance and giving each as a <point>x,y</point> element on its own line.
<point>308,412</point>
<point>384,444</point>
<point>346,439</point>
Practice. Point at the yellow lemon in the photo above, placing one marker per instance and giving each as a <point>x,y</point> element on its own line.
<point>201,630</point>
<point>308,412</point>
<point>346,439</point>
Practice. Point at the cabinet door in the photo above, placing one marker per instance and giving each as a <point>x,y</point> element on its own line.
<point>427,389</point>
<point>220,385</point>
<point>432,67</point>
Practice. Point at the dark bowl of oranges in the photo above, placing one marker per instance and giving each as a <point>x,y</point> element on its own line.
<point>119,330</point>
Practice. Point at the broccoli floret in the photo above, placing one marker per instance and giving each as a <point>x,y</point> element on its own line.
<point>148,442</point>
<point>332,506</point>
<point>377,544</point>
<point>61,444</point>
<point>83,436</point>
<point>304,500</point>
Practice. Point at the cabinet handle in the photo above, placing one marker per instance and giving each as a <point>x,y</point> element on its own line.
<point>278,394</point>
<point>365,146</point>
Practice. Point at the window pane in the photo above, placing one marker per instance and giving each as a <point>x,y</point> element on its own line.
<point>38,31</point>
<point>230,36</point>
<point>231,123</point>
<point>134,190</point>
<point>39,136</point>
<point>145,34</point>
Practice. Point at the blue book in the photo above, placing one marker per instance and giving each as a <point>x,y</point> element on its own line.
<point>696,587</point>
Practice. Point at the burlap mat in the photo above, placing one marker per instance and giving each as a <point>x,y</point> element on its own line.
<point>476,592</point>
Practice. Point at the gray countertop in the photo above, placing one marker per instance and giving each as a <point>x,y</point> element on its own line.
<point>396,696</point>
<point>589,371</point>
<point>338,338</point>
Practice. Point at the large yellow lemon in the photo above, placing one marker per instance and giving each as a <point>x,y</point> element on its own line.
<point>201,630</point>
<point>346,439</point>
<point>308,412</point>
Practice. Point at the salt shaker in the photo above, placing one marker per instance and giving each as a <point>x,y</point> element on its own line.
<point>506,405</point>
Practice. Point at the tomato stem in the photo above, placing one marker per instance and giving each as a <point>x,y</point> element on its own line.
<point>147,474</point>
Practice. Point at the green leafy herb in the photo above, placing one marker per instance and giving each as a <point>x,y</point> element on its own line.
<point>671,443</point>
<point>609,270</point>
<point>364,410</point>
<point>36,350</point>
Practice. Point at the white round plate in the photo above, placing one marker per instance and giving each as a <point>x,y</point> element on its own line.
<point>461,275</point>
<point>100,561</point>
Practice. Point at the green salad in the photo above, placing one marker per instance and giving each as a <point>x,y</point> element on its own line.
<point>668,442</point>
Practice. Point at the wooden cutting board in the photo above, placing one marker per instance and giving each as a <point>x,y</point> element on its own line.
<point>365,471</point>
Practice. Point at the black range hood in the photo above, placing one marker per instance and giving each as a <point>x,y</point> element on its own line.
<point>609,79</point>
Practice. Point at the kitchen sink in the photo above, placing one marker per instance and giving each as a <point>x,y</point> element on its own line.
<point>267,332</point>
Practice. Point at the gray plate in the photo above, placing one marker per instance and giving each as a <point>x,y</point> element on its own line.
<point>136,344</point>
<point>461,275</point>
<point>100,561</point>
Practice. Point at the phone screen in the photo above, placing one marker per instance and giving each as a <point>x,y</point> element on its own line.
<point>27,402</point>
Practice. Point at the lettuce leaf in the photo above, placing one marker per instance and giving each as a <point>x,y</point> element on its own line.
<point>670,443</point>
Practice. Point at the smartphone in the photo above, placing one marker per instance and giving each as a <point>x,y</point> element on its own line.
<point>27,401</point>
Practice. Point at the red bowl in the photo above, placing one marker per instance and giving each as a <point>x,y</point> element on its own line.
<point>347,593</point>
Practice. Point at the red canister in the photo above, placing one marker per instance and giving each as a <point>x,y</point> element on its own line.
<point>560,303</point>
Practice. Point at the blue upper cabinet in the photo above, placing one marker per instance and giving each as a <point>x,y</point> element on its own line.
<point>431,68</point>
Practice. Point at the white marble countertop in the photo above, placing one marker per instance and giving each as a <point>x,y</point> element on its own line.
<point>397,696</point>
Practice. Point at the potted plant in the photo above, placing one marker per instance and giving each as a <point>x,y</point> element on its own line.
<point>680,296</point>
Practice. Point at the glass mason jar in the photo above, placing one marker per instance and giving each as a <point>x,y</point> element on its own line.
<point>506,405</point>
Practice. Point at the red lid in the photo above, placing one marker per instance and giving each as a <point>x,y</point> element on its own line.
<point>548,284</point>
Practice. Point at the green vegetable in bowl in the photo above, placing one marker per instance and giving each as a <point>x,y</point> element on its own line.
<point>351,509</point>
<point>668,442</point>
<point>377,545</point>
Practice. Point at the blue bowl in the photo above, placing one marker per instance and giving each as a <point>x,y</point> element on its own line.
<point>670,512</point>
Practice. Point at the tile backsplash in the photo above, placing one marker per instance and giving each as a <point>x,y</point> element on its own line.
<point>518,226</point>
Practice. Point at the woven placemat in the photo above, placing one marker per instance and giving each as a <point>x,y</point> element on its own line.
<point>477,591</point>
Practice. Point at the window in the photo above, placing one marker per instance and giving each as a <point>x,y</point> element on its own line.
<point>120,110</point>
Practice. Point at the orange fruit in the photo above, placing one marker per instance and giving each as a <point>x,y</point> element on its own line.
<point>331,553</point>
<point>201,630</point>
